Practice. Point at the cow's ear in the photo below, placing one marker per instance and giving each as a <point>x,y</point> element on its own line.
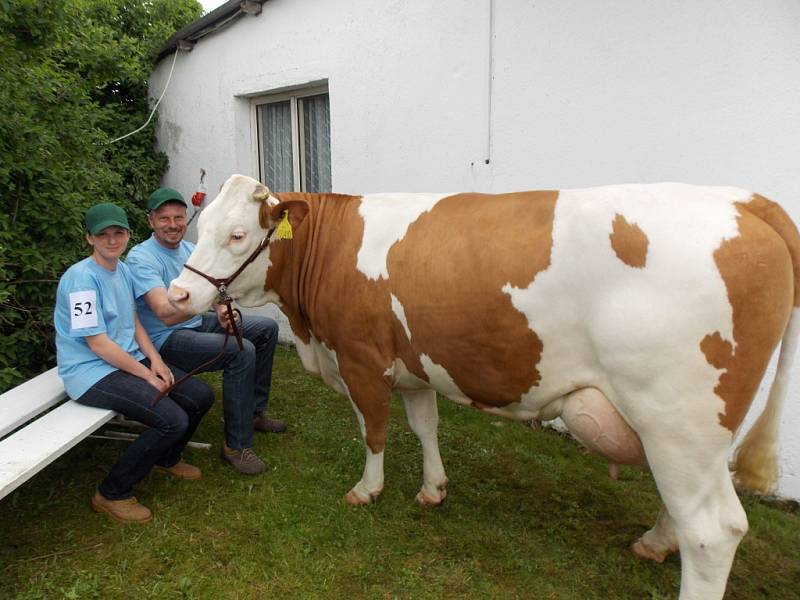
<point>271,213</point>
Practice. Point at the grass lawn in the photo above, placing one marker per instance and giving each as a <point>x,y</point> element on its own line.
<point>529,515</point>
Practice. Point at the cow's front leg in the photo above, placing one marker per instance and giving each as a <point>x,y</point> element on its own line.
<point>422,413</point>
<point>370,401</point>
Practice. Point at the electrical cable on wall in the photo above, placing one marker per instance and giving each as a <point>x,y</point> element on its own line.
<point>489,85</point>
<point>166,87</point>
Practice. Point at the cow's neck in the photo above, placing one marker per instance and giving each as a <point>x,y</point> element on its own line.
<point>298,263</point>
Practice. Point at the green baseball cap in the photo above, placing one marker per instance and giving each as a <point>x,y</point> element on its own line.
<point>105,215</point>
<point>162,195</point>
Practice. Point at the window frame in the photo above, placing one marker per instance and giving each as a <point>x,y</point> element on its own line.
<point>298,143</point>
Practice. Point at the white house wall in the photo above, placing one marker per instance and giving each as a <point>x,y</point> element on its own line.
<point>582,93</point>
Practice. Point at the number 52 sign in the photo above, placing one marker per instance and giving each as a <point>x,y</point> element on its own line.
<point>83,309</point>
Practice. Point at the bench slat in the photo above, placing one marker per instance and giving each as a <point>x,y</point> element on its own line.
<point>32,448</point>
<point>20,404</point>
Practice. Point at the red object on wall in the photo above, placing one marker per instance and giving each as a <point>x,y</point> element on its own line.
<point>199,196</point>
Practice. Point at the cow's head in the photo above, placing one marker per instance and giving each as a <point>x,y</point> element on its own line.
<point>230,229</point>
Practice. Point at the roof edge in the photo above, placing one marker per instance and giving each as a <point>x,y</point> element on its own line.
<point>222,16</point>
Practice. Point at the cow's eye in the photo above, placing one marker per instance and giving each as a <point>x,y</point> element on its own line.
<point>237,236</point>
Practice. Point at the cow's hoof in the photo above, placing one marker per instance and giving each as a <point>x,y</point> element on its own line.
<point>354,498</point>
<point>426,499</point>
<point>645,552</point>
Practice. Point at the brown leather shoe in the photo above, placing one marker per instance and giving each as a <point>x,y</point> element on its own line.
<point>125,511</point>
<point>181,470</point>
<point>263,423</point>
<point>245,461</point>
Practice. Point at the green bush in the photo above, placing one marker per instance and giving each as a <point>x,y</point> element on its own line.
<point>74,77</point>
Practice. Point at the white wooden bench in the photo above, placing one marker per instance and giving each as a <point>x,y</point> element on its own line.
<point>34,442</point>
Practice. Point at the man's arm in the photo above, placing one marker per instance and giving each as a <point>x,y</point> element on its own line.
<point>158,302</point>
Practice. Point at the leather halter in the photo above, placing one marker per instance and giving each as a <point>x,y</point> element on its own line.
<point>222,284</point>
<point>222,298</point>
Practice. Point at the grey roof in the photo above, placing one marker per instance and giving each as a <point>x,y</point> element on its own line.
<point>222,16</point>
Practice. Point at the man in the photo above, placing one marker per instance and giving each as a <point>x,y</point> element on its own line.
<point>188,341</point>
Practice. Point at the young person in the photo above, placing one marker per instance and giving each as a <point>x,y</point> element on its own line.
<point>188,340</point>
<point>107,360</point>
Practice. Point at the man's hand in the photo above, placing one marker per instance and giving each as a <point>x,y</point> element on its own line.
<point>158,301</point>
<point>222,315</point>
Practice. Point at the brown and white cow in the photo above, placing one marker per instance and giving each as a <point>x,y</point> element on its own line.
<point>643,315</point>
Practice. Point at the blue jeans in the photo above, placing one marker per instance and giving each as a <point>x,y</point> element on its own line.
<point>246,375</point>
<point>170,423</point>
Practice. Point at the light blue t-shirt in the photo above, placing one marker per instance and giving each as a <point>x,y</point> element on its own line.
<point>91,300</point>
<point>152,266</point>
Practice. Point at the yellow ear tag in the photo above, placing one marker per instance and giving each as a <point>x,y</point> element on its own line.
<point>284,229</point>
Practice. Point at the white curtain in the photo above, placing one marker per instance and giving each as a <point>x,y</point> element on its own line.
<point>276,144</point>
<point>316,143</point>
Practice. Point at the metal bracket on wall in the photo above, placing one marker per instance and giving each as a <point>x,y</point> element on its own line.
<point>250,7</point>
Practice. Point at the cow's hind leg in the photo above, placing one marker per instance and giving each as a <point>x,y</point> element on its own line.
<point>706,515</point>
<point>423,417</point>
<point>660,541</point>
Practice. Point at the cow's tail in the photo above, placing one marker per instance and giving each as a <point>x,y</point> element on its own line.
<point>755,463</point>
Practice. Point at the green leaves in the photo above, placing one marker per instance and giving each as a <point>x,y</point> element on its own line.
<point>74,75</point>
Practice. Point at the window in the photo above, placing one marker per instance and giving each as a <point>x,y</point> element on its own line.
<point>294,140</point>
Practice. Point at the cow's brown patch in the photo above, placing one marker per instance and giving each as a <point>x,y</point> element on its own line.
<point>629,242</point>
<point>771,213</point>
<point>718,351</point>
<point>758,273</point>
<point>449,271</point>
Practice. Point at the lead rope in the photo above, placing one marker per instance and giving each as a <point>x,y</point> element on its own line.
<point>231,328</point>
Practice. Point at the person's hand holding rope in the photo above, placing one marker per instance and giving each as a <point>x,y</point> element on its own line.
<point>224,319</point>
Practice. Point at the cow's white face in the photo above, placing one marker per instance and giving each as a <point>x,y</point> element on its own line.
<point>228,232</point>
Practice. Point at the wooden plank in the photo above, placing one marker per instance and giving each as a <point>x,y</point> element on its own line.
<point>20,404</point>
<point>36,445</point>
